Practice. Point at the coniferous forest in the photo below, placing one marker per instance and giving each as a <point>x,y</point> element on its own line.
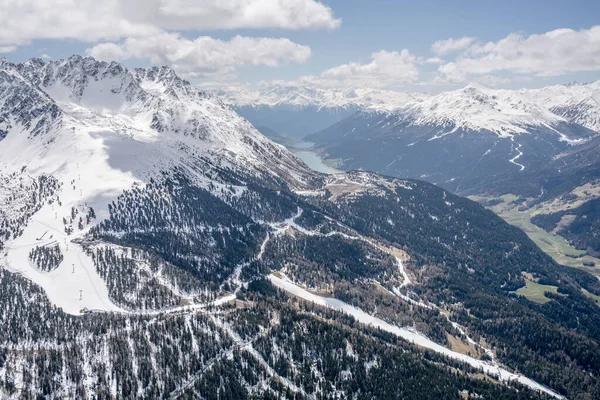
<point>171,244</point>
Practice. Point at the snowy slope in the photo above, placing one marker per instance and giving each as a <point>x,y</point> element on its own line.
<point>474,107</point>
<point>408,334</point>
<point>98,129</point>
<point>454,139</point>
<point>477,108</point>
<point>577,103</point>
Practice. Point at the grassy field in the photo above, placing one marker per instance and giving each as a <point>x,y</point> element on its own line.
<point>534,291</point>
<point>592,296</point>
<point>463,347</point>
<point>555,246</point>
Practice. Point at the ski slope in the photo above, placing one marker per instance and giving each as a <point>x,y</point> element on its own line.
<point>407,334</point>
<point>75,284</point>
<point>99,129</point>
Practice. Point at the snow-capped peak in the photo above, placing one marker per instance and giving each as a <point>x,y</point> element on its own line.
<point>23,105</point>
<point>478,108</point>
<point>475,106</point>
<point>164,81</point>
<point>147,105</point>
<point>97,129</point>
<point>105,102</point>
<point>475,86</point>
<point>577,103</point>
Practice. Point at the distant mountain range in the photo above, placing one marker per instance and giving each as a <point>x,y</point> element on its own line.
<point>298,111</point>
<point>307,110</point>
<point>456,138</point>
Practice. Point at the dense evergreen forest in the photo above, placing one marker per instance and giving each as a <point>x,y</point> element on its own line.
<point>468,256</point>
<point>256,348</point>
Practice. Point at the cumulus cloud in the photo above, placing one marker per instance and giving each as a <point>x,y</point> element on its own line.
<point>88,20</point>
<point>7,49</point>
<point>91,20</point>
<point>451,45</point>
<point>386,69</point>
<point>204,56</point>
<point>231,14</point>
<point>549,54</point>
<point>434,60</point>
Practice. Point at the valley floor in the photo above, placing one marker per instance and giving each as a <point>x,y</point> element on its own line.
<point>554,245</point>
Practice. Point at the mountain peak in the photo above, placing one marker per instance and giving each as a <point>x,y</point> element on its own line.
<point>152,107</point>
<point>475,86</point>
<point>164,80</point>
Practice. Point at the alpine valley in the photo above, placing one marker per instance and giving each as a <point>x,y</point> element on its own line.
<point>154,244</point>
<point>533,156</point>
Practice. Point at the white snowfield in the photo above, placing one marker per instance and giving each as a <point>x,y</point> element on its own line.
<point>74,285</point>
<point>476,107</point>
<point>80,161</point>
<point>578,103</point>
<point>407,334</point>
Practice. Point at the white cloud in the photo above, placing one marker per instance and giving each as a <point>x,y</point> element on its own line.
<point>434,60</point>
<point>92,20</point>
<point>552,53</point>
<point>451,45</point>
<point>88,20</point>
<point>204,56</point>
<point>45,56</point>
<point>7,49</point>
<point>386,69</point>
<point>493,80</point>
<point>109,51</point>
<point>232,14</point>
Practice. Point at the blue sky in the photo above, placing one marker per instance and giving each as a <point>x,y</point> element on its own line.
<point>327,43</point>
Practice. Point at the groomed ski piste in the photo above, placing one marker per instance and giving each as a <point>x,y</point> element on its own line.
<point>407,334</point>
<point>88,180</point>
<point>74,285</point>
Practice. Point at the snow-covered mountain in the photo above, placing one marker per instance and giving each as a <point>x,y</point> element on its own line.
<point>169,221</point>
<point>301,97</point>
<point>82,132</point>
<point>508,112</point>
<point>477,108</point>
<point>298,111</point>
<point>474,107</point>
<point>454,138</point>
<point>147,108</point>
<point>577,103</point>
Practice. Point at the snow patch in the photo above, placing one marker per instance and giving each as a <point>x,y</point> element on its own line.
<point>408,334</point>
